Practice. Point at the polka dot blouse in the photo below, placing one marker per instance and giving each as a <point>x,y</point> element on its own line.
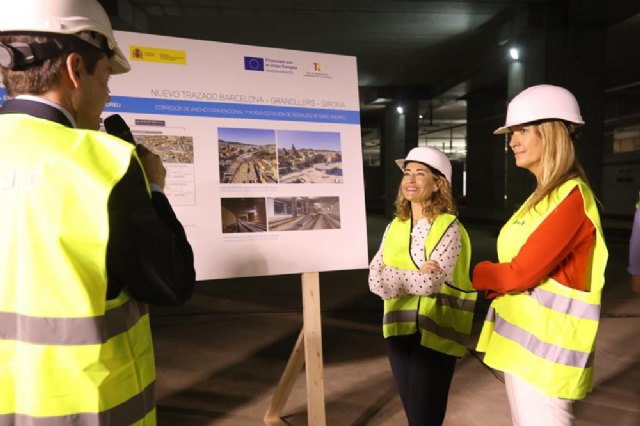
<point>389,282</point>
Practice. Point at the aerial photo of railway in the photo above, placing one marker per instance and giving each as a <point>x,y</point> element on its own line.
<point>303,213</point>
<point>243,215</point>
<point>171,149</point>
<point>247,155</point>
<point>309,157</point>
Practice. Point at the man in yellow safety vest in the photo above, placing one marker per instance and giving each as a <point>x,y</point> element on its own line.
<point>87,238</point>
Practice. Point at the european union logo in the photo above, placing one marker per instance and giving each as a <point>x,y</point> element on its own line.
<point>252,63</point>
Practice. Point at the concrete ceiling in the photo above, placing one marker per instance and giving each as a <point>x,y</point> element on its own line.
<point>397,42</point>
<point>409,43</point>
<point>436,48</point>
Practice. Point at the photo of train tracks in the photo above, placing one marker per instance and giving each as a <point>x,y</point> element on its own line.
<point>247,155</point>
<point>309,157</point>
<point>243,215</point>
<point>171,149</point>
<point>303,213</point>
<point>256,156</point>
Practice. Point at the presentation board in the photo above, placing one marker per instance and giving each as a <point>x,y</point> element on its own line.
<point>262,149</point>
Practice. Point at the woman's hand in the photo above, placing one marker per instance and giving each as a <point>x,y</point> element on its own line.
<point>431,266</point>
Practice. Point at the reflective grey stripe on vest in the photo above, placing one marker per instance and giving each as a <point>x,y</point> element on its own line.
<point>455,302</point>
<point>425,323</point>
<point>566,305</point>
<point>428,324</point>
<point>537,347</point>
<point>71,331</point>
<point>129,412</point>
<point>400,316</point>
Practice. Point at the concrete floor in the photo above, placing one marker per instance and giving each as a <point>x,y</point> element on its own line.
<point>220,356</point>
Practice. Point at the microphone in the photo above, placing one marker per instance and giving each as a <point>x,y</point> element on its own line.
<point>116,126</point>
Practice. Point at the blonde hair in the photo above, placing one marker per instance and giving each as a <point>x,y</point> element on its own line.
<point>441,201</point>
<point>558,163</point>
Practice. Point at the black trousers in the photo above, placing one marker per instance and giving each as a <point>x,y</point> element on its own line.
<point>423,377</point>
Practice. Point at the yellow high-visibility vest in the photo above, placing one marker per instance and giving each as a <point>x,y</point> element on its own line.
<point>546,336</point>
<point>444,319</point>
<point>67,355</point>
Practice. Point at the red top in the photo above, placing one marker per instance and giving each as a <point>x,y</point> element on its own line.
<point>559,248</point>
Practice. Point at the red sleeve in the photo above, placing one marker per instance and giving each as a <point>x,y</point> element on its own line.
<point>553,240</point>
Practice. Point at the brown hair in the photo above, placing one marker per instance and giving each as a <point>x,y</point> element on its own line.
<point>40,78</point>
<point>559,162</point>
<point>441,201</point>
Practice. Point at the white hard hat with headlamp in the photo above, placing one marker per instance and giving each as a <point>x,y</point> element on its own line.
<point>431,157</point>
<point>73,17</point>
<point>542,102</point>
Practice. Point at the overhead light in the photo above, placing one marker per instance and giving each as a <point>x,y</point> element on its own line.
<point>380,101</point>
<point>400,110</point>
<point>514,52</point>
<point>420,116</point>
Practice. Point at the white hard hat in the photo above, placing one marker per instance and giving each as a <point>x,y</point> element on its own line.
<point>543,102</point>
<point>429,156</point>
<point>64,17</point>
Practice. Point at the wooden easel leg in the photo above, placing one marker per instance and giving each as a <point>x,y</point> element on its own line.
<point>273,417</point>
<point>313,348</point>
<point>309,344</point>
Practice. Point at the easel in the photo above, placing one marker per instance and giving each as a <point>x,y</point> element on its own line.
<point>310,342</point>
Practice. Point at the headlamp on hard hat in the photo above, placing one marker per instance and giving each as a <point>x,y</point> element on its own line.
<point>14,55</point>
<point>18,56</point>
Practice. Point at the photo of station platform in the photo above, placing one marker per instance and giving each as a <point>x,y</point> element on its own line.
<point>243,215</point>
<point>247,155</point>
<point>303,213</point>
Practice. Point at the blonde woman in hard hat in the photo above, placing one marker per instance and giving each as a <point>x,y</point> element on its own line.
<point>541,326</point>
<point>421,273</point>
<point>84,243</point>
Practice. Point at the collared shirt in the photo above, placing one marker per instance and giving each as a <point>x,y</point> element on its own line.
<point>51,104</point>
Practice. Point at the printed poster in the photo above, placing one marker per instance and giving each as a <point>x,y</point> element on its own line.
<point>262,150</point>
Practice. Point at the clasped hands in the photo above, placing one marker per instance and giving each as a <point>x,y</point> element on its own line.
<point>431,266</point>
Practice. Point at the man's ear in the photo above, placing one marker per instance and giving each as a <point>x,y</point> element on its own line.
<point>74,67</point>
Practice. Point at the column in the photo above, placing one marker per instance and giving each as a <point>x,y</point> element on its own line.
<point>399,134</point>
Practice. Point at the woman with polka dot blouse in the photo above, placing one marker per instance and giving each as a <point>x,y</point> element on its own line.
<point>421,273</point>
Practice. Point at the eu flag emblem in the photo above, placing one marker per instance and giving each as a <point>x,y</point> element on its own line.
<point>252,63</point>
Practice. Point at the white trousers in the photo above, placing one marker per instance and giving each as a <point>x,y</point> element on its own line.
<point>530,407</point>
